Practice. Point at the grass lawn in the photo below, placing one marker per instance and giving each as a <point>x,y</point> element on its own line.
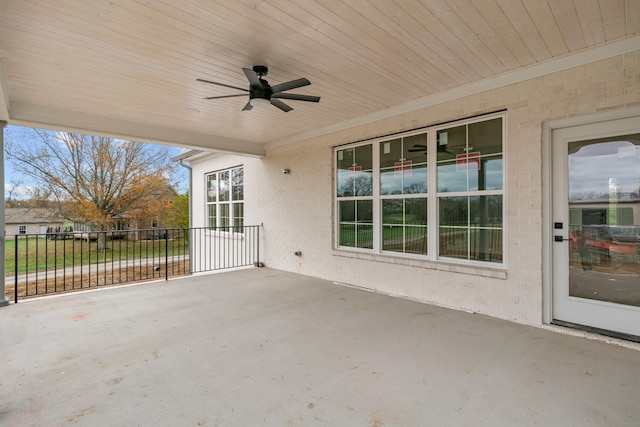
<point>43,254</point>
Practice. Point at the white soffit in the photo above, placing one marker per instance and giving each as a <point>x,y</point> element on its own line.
<point>586,56</point>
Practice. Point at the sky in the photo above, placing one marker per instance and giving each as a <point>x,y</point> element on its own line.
<point>603,167</point>
<point>12,176</point>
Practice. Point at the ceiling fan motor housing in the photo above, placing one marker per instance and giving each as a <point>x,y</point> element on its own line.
<point>261,70</point>
<point>265,93</point>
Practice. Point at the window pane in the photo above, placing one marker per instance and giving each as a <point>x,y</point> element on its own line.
<point>237,180</point>
<point>347,235</point>
<point>347,211</point>
<point>450,178</point>
<point>416,240</point>
<point>454,211</point>
<point>390,182</point>
<point>364,157</point>
<point>393,238</point>
<point>488,175</point>
<point>362,183</point>
<point>363,171</point>
<point>451,142</point>
<point>471,228</point>
<point>238,215</point>
<point>224,184</point>
<point>454,242</point>
<point>224,214</point>
<point>393,225</point>
<point>403,166</point>
<point>390,153</point>
<point>404,225</point>
<point>356,218</point>
<point>470,174</point>
<point>392,211</point>
<point>415,180</point>
<point>344,163</point>
<point>354,172</point>
<point>405,179</point>
<point>486,137</point>
<point>416,211</point>
<point>212,188</point>
<point>414,148</point>
<point>211,214</point>
<point>485,211</point>
<point>364,236</point>
<point>364,211</point>
<point>485,244</point>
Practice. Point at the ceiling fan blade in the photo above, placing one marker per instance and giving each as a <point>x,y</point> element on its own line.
<point>416,150</point>
<point>248,106</point>
<point>222,84</point>
<point>225,96</point>
<point>290,85</point>
<point>253,78</point>
<point>296,97</point>
<point>281,105</point>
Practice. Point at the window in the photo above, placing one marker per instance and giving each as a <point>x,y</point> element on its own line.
<point>22,229</point>
<point>224,198</point>
<point>433,194</point>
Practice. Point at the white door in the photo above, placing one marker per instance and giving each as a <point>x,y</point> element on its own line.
<point>596,225</point>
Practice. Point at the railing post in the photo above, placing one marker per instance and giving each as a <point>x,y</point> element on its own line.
<point>15,270</point>
<point>166,254</point>
<point>258,246</point>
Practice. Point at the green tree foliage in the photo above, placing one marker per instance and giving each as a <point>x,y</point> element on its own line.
<point>180,211</point>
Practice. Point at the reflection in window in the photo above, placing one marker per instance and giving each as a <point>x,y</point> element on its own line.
<point>383,190</point>
<point>471,227</point>
<point>604,215</point>
<point>404,225</point>
<point>403,165</point>
<point>470,157</point>
<point>355,171</point>
<point>356,219</point>
<point>225,198</point>
<point>470,164</point>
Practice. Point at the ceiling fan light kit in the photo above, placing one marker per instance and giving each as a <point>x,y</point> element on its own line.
<point>259,102</point>
<point>262,94</point>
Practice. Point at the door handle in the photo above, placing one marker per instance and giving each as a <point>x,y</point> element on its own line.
<point>560,239</point>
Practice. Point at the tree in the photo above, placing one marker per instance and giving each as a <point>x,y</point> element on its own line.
<point>180,211</point>
<point>10,189</point>
<point>97,180</point>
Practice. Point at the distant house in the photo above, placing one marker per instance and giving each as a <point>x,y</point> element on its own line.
<point>20,221</point>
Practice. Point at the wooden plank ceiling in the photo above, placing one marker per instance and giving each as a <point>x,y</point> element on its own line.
<point>129,67</point>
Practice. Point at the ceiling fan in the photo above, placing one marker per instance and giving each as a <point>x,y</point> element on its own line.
<point>261,94</point>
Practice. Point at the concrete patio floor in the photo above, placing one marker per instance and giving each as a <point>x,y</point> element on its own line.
<point>260,347</point>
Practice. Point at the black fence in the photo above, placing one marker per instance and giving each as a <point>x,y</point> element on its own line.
<point>55,262</point>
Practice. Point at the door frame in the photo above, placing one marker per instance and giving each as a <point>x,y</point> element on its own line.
<point>547,196</point>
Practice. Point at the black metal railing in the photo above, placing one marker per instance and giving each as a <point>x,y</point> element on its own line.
<point>40,264</point>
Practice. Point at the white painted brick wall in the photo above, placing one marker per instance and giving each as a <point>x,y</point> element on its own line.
<point>296,209</point>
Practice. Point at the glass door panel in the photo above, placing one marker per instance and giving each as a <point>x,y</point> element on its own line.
<point>604,219</point>
<point>595,275</point>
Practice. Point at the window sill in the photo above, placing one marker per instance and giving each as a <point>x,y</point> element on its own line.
<point>475,270</point>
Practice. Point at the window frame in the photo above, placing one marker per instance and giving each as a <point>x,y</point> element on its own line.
<point>432,195</point>
<point>235,205</point>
